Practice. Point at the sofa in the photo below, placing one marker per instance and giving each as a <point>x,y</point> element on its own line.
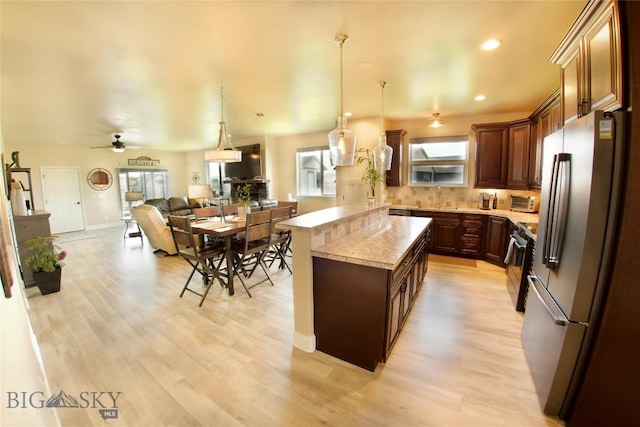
<point>174,205</point>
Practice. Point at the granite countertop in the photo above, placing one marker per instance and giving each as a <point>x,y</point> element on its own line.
<point>382,245</point>
<point>511,215</point>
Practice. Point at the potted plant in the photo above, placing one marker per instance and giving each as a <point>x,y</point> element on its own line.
<point>371,175</point>
<point>45,262</point>
<point>243,198</point>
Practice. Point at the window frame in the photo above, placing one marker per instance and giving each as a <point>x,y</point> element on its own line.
<point>125,185</point>
<point>465,163</point>
<point>325,155</point>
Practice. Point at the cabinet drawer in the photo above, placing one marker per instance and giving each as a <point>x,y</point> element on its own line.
<point>471,245</point>
<point>475,230</point>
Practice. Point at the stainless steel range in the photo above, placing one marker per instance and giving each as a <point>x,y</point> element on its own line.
<point>518,260</point>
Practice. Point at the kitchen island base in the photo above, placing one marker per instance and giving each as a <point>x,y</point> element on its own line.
<point>359,310</point>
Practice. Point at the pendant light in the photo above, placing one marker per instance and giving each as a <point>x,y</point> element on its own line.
<point>220,153</point>
<point>342,141</point>
<point>436,121</point>
<point>382,153</point>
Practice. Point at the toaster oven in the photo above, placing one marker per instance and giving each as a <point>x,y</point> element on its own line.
<point>525,204</point>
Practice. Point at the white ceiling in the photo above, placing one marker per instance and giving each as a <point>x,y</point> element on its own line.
<point>78,72</point>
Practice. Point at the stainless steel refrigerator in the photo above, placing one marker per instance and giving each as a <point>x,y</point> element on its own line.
<point>582,170</point>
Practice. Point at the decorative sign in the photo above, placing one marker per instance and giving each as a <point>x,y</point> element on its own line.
<point>144,161</point>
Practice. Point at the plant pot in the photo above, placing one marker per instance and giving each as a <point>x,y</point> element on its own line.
<point>243,211</point>
<point>48,282</point>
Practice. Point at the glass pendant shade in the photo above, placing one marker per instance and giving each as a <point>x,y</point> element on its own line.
<point>382,155</point>
<point>342,144</point>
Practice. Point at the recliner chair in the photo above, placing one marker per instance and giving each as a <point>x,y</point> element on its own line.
<point>154,226</point>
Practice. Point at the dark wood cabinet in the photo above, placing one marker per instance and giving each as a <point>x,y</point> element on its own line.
<point>518,155</point>
<point>590,61</point>
<point>492,142</point>
<point>472,233</point>
<point>395,139</point>
<point>496,240</point>
<point>445,232</point>
<point>359,310</point>
<point>545,120</point>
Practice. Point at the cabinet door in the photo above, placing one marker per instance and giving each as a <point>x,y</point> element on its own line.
<point>518,156</point>
<point>491,156</point>
<point>602,66</point>
<point>394,316</point>
<point>571,89</point>
<point>446,236</point>
<point>395,140</point>
<point>496,240</point>
<point>535,151</point>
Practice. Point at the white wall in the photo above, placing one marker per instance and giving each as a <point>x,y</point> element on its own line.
<point>100,207</point>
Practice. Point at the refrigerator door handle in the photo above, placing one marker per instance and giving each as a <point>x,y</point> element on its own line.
<point>557,211</point>
<point>554,312</point>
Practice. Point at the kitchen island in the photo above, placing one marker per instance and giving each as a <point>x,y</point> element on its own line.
<point>379,261</point>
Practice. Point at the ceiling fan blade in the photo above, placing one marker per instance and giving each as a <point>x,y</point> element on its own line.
<point>103,146</point>
<point>133,147</point>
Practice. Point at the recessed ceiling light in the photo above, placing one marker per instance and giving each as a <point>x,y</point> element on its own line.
<point>490,44</point>
<point>347,114</point>
<point>480,98</point>
<point>366,64</point>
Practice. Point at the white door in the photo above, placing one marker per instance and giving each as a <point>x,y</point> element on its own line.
<point>62,198</point>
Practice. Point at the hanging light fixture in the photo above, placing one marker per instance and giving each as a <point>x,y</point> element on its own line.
<point>382,153</point>
<point>342,141</point>
<point>220,153</point>
<point>436,121</point>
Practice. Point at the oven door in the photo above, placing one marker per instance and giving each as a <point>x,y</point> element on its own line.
<point>515,269</point>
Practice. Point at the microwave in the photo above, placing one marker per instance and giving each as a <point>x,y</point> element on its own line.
<point>525,204</point>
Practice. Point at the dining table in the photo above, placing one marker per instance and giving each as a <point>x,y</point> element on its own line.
<point>224,230</point>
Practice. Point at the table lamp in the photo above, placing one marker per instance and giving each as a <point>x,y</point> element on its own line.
<point>200,192</point>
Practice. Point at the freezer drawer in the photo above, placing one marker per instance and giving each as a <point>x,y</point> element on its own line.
<point>551,344</point>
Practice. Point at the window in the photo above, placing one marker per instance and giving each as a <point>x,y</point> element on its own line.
<point>316,175</point>
<point>439,161</point>
<point>151,182</point>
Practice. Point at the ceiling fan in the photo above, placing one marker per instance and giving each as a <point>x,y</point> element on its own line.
<point>118,146</point>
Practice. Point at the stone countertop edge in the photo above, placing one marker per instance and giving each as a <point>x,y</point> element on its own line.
<point>328,216</point>
<point>382,245</point>
<point>511,215</point>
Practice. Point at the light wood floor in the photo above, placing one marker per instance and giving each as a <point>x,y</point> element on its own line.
<point>118,325</point>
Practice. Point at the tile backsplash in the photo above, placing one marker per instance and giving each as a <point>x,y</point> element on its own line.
<point>450,197</point>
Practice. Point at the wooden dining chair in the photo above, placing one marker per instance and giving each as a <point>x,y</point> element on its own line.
<point>203,258</point>
<point>279,238</point>
<point>229,211</point>
<point>249,251</point>
<point>208,212</point>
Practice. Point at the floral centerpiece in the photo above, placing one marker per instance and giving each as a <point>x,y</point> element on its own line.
<point>45,262</point>
<point>243,198</point>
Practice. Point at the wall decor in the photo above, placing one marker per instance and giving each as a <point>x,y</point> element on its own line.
<point>144,161</point>
<point>99,179</point>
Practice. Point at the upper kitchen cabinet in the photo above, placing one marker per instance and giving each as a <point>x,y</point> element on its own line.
<point>544,121</point>
<point>492,141</point>
<point>518,155</point>
<point>395,139</point>
<point>502,154</point>
<point>591,75</point>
